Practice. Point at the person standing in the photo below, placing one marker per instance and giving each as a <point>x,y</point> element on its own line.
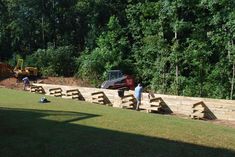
<point>138,95</point>
<point>26,82</point>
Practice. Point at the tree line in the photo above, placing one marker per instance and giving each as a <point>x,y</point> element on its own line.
<point>180,47</point>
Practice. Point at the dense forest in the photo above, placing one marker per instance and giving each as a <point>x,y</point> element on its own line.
<point>182,47</point>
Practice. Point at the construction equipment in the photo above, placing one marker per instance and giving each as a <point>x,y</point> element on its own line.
<point>21,71</point>
<point>117,80</point>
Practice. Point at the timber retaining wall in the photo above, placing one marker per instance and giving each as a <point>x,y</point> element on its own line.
<point>221,109</point>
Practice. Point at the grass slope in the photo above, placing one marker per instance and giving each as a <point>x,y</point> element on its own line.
<point>64,128</point>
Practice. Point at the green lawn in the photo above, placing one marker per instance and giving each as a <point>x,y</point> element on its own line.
<point>67,128</point>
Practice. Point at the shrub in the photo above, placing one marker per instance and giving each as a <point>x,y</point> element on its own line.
<point>53,61</point>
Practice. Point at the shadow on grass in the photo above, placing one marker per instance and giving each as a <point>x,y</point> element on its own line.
<point>38,133</point>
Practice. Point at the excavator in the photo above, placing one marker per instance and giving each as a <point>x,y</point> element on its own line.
<point>21,71</point>
<point>116,80</point>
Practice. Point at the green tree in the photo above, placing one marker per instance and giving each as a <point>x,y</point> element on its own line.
<point>53,61</point>
<point>111,53</point>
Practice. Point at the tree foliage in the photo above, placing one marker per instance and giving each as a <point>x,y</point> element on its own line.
<point>181,47</point>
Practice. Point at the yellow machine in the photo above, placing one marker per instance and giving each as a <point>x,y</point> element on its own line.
<point>21,71</point>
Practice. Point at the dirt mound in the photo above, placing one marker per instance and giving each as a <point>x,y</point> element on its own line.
<point>69,81</point>
<point>11,83</point>
<point>5,70</point>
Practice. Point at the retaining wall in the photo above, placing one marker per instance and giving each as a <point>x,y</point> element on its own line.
<point>222,109</point>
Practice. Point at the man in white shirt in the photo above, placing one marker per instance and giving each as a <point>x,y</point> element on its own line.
<point>138,95</point>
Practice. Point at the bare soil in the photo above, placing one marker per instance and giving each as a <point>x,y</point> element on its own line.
<point>69,81</point>
<point>13,83</point>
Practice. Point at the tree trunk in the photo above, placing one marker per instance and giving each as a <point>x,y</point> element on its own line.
<point>232,81</point>
<point>229,52</point>
<point>176,66</point>
<point>177,78</point>
<point>54,24</point>
<point>164,82</point>
<point>201,78</point>
<point>42,25</point>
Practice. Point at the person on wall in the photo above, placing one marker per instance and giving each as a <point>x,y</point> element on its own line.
<point>138,95</point>
<point>26,82</point>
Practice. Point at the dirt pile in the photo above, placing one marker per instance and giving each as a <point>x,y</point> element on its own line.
<point>5,70</point>
<point>68,81</point>
<point>12,82</point>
